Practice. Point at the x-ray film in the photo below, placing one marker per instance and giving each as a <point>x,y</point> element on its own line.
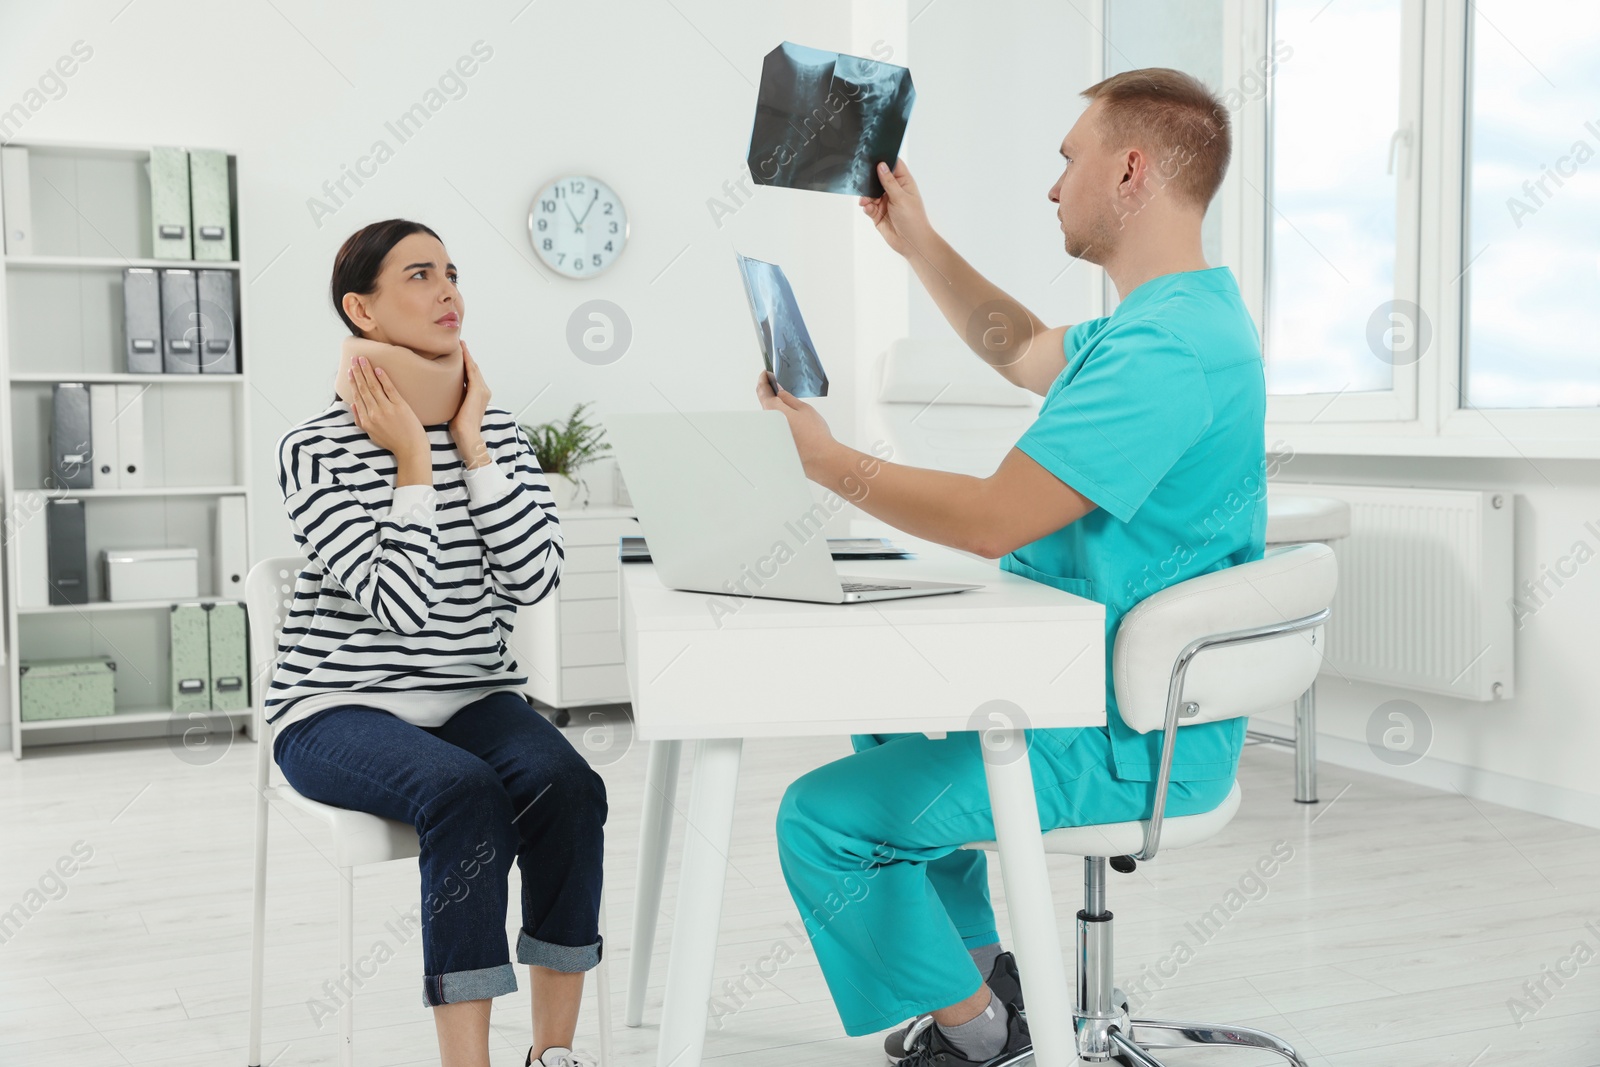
<point>786,346</point>
<point>825,121</point>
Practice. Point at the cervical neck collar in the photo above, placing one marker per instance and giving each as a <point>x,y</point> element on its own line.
<point>432,387</point>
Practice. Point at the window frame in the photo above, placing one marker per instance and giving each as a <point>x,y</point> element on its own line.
<point>1399,403</point>
<point>1436,420</point>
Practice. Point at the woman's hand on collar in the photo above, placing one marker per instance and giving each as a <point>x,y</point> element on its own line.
<point>466,429</point>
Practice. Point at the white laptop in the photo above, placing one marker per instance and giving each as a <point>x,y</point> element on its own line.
<point>725,508</point>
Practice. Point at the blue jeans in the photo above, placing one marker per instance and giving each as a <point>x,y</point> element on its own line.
<point>496,781</point>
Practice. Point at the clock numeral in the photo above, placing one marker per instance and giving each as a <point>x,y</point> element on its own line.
<point>544,224</point>
<point>547,244</point>
<point>547,205</point>
<point>609,206</point>
<point>561,257</point>
<point>577,188</point>
<point>596,257</point>
<point>577,263</point>
<point>608,249</point>
<point>613,227</point>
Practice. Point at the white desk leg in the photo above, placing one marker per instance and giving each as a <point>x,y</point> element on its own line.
<point>692,960</point>
<point>655,831</point>
<point>1034,936</point>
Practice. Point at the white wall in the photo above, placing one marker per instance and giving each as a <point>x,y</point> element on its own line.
<point>997,90</point>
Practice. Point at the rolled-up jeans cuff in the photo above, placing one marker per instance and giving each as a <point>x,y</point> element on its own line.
<point>485,983</point>
<point>567,958</point>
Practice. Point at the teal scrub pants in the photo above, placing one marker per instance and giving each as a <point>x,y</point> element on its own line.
<point>870,849</point>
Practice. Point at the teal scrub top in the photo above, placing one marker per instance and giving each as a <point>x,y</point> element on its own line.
<point>1159,419</point>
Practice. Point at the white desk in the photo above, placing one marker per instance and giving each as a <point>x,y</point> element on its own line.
<point>776,668</point>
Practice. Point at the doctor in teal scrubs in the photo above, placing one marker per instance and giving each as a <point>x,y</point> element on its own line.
<point>1146,466</point>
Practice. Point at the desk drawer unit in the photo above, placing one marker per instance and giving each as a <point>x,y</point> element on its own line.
<point>569,644</point>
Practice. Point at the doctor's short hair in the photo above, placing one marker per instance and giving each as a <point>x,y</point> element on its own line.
<point>1173,116</point>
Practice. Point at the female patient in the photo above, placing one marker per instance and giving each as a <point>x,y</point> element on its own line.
<point>426,521</point>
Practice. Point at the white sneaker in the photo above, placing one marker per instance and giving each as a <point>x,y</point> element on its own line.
<point>556,1056</point>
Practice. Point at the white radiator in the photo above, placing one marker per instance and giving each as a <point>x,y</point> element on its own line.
<point>1425,584</point>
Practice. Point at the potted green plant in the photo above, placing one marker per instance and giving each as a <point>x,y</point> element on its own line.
<point>563,449</point>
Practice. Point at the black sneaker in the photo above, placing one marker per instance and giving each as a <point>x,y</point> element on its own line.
<point>1003,979</point>
<point>930,1048</point>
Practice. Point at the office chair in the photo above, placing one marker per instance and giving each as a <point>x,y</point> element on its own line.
<point>1230,643</point>
<point>359,838</point>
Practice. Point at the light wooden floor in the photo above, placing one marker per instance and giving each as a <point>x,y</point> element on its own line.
<point>1399,931</point>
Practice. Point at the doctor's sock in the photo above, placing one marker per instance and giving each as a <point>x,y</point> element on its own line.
<point>983,1036</point>
<point>984,956</point>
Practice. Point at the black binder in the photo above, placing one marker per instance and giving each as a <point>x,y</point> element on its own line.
<point>71,440</point>
<point>69,552</point>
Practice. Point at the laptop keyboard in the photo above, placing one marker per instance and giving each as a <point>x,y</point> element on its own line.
<point>863,587</point>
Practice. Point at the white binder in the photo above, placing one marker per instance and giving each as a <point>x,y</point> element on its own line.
<point>233,560</point>
<point>16,201</point>
<point>130,436</point>
<point>103,436</point>
<point>33,550</point>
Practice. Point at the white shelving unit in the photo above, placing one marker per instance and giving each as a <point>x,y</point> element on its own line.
<point>570,643</point>
<point>61,321</point>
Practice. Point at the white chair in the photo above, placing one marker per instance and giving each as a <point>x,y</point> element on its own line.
<point>359,838</point>
<point>1230,643</point>
<point>1296,520</point>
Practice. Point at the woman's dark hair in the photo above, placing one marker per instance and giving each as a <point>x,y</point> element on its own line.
<point>355,268</point>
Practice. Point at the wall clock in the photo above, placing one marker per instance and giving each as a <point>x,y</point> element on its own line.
<point>578,226</point>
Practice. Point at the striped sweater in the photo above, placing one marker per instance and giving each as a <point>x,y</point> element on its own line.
<point>410,593</point>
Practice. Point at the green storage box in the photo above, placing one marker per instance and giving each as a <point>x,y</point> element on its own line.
<point>191,658</point>
<point>68,688</point>
<point>210,206</point>
<point>169,204</point>
<point>230,688</point>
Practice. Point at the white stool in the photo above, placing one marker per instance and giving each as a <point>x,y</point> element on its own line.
<point>1295,520</point>
<point>1230,643</point>
<point>359,837</point>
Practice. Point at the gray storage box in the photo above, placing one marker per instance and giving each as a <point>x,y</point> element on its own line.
<point>141,320</point>
<point>68,688</point>
<point>152,573</point>
<point>180,313</point>
<point>218,354</point>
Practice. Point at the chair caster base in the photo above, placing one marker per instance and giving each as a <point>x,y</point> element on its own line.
<point>1095,1034</point>
<point>1163,1034</point>
<point>1116,1037</point>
